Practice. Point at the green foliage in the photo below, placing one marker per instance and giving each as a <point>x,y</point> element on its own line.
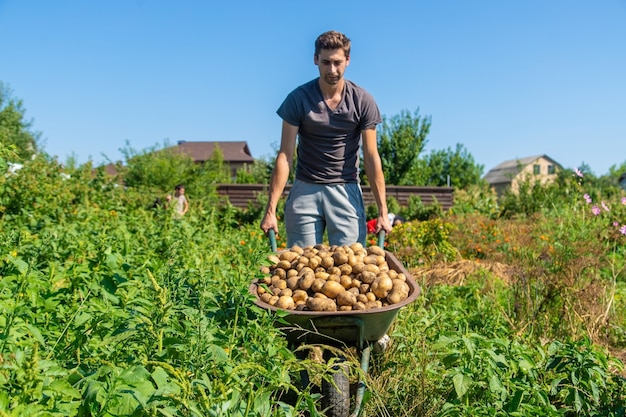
<point>15,130</point>
<point>108,308</point>
<point>581,382</point>
<point>481,199</point>
<point>421,241</point>
<point>417,210</point>
<point>257,173</point>
<point>401,139</point>
<point>455,168</point>
<point>160,169</point>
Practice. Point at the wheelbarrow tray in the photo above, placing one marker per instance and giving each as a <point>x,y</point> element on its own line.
<point>336,327</point>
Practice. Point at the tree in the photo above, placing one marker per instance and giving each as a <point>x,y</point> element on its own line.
<point>15,130</point>
<point>154,168</point>
<point>458,165</point>
<point>401,139</point>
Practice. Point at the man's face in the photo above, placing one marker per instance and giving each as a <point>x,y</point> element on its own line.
<point>332,64</point>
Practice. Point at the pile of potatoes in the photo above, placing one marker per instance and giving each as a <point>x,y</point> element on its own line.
<point>337,278</point>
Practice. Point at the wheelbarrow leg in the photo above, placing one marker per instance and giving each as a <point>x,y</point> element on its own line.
<point>360,391</point>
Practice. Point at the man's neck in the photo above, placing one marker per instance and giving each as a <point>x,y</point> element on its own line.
<point>331,90</point>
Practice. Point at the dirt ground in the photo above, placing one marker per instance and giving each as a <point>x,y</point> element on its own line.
<point>456,273</point>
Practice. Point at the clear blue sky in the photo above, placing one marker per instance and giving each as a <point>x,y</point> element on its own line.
<point>507,79</point>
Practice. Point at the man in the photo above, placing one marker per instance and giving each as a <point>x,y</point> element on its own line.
<point>332,118</point>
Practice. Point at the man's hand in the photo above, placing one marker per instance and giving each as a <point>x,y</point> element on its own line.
<point>382,223</point>
<point>269,222</point>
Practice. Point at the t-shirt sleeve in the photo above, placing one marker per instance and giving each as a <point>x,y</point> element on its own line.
<point>370,112</point>
<point>288,110</point>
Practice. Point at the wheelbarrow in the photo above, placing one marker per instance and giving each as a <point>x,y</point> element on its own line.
<point>361,329</point>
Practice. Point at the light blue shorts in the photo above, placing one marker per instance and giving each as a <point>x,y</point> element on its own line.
<point>311,209</point>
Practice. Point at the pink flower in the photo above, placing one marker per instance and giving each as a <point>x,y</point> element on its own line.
<point>622,229</point>
<point>587,198</point>
<point>595,210</point>
<point>605,207</point>
<point>624,200</point>
<point>616,224</point>
<point>578,172</point>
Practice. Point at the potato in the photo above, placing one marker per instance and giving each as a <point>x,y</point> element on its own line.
<point>334,270</point>
<point>332,288</point>
<point>345,281</point>
<point>399,292</point>
<point>340,258</point>
<point>366,277</point>
<point>381,286</point>
<point>284,264</point>
<point>297,249</point>
<point>375,250</point>
<point>357,267</point>
<point>345,269</point>
<point>307,276</point>
<point>280,284</point>
<point>346,298</point>
<point>322,275</point>
<point>334,277</point>
<point>273,299</point>
<point>280,273</point>
<point>354,290</point>
<point>288,256</point>
<point>371,268</point>
<point>293,283</point>
<point>317,285</point>
<point>327,262</point>
<point>314,261</point>
<point>358,306</point>
<point>273,259</point>
<point>357,246</point>
<point>370,259</point>
<point>321,304</point>
<point>348,277</point>
<point>299,296</point>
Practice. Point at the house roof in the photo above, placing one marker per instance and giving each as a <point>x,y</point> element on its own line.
<point>236,151</point>
<point>507,170</point>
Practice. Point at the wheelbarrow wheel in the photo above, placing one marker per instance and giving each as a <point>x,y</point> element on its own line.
<point>336,394</point>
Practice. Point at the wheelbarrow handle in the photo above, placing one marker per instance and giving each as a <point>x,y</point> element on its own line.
<point>272,236</point>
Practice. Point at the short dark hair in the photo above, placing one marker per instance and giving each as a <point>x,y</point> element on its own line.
<point>179,186</point>
<point>332,40</point>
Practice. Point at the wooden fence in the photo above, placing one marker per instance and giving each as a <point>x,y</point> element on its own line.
<point>240,195</point>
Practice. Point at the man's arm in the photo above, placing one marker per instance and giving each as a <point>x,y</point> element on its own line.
<point>280,175</point>
<point>375,176</point>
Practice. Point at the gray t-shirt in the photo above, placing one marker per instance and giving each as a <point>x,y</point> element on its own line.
<point>329,140</point>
